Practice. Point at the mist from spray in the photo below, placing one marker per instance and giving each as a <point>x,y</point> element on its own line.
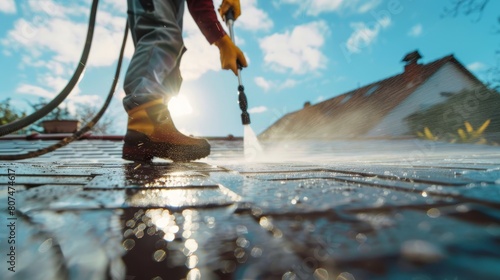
<point>251,146</point>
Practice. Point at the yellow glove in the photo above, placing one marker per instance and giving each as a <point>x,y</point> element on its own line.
<point>230,54</point>
<point>228,4</point>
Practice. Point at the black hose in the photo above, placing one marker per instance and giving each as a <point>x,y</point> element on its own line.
<point>89,125</point>
<point>21,123</point>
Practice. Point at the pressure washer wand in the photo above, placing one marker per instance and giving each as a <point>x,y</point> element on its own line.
<point>242,98</point>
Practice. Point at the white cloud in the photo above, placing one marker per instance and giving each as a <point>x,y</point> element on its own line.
<point>368,6</point>
<point>253,18</point>
<point>263,83</point>
<point>35,36</point>
<point>49,8</point>
<point>257,110</point>
<point>8,6</point>
<point>289,83</point>
<point>363,36</point>
<point>298,50</point>
<point>316,7</point>
<point>416,30</point>
<point>34,90</point>
<point>49,86</point>
<point>476,66</point>
<point>200,57</point>
<point>268,85</point>
<point>117,4</point>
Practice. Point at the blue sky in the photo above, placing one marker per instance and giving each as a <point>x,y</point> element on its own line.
<point>298,51</point>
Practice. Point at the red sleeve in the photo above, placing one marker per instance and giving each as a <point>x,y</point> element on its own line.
<point>203,13</point>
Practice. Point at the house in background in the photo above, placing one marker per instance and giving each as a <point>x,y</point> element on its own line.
<point>378,110</point>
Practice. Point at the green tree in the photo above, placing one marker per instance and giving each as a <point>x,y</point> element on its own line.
<point>9,114</point>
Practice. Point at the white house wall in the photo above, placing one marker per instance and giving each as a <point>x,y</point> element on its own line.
<point>447,79</point>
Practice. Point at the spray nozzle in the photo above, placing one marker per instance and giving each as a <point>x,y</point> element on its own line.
<point>242,101</point>
<point>245,118</point>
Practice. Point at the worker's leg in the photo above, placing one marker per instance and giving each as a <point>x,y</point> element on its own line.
<point>152,78</point>
<point>153,73</point>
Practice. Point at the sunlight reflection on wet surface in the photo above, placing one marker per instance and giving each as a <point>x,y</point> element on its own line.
<point>357,210</point>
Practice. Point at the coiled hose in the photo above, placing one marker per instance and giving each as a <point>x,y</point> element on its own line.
<point>21,123</point>
<point>94,120</point>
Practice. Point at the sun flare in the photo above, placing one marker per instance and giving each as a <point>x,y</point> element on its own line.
<point>179,106</point>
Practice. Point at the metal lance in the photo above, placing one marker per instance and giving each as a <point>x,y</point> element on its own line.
<point>242,98</point>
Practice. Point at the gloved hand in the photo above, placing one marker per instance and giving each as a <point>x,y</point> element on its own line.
<point>230,54</point>
<point>228,4</point>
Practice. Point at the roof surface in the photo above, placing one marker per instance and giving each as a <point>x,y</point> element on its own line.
<point>356,112</point>
<point>302,210</point>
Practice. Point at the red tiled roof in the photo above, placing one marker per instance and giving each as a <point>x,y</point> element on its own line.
<point>354,113</point>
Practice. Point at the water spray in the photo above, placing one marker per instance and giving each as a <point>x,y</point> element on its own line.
<point>242,98</point>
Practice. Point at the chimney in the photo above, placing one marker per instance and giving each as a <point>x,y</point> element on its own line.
<point>413,69</point>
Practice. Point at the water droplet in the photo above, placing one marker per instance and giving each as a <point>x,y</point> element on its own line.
<point>191,245</point>
<point>277,233</point>
<point>361,238</point>
<point>169,236</point>
<point>139,234</point>
<point>424,194</point>
<point>239,253</point>
<point>321,274</point>
<point>141,227</point>
<point>130,223</point>
<point>289,276</point>
<point>194,274</point>
<point>462,208</point>
<point>433,213</point>
<point>128,244</point>
<point>345,276</point>
<point>256,211</point>
<point>256,252</point>
<point>192,261</point>
<point>210,221</point>
<point>241,229</point>
<point>265,223</point>
<point>242,242</point>
<point>186,234</point>
<point>45,246</point>
<point>159,255</point>
<point>128,233</point>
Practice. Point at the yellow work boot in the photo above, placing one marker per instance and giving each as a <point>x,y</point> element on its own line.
<point>152,133</point>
